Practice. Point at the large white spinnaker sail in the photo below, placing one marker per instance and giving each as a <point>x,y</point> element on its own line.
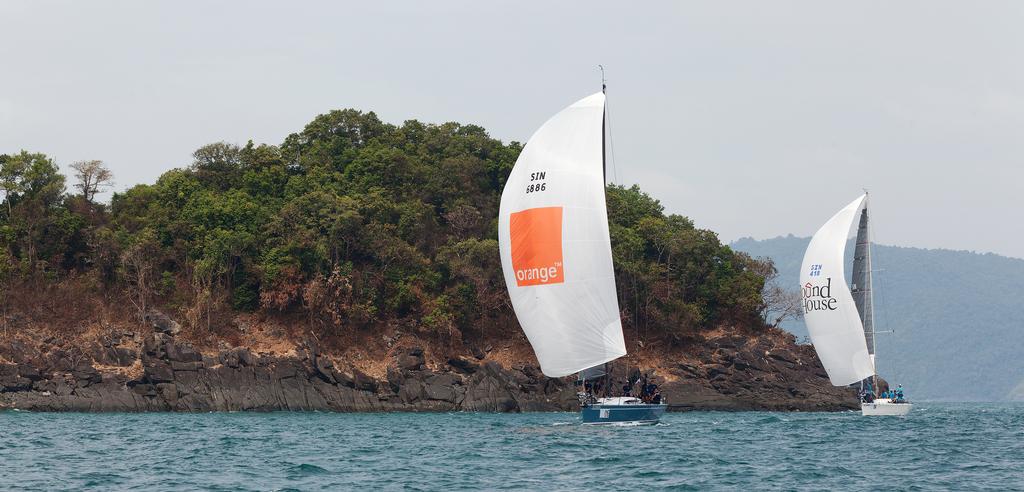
<point>829,310</point>
<point>555,248</point>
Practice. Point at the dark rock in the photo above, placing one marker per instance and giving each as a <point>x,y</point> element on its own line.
<point>442,379</point>
<point>395,379</point>
<point>125,356</point>
<point>145,389</point>
<point>533,372</point>
<point>59,361</point>
<point>287,369</point>
<point>19,352</point>
<point>186,366</point>
<point>168,391</point>
<point>245,357</point>
<point>733,376</point>
<point>325,370</point>
<point>86,374</point>
<point>181,352</point>
<point>439,392</point>
<point>691,369</point>
<point>494,369</point>
<point>463,365</point>
<point>153,345</point>
<point>11,381</point>
<point>158,371</point>
<point>114,356</point>
<point>237,357</point>
<point>410,361</point>
<point>364,382</point>
<point>344,378</point>
<point>162,323</point>
<point>44,385</point>
<point>29,372</point>
<point>411,391</point>
<point>783,356</point>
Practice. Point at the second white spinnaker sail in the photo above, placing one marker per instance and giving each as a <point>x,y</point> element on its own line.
<point>555,248</point>
<point>829,309</point>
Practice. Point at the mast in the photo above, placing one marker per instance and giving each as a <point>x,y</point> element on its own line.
<point>604,127</point>
<point>871,296</point>
<point>604,175</point>
<point>861,286</point>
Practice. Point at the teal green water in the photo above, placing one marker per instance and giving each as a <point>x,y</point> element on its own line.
<point>939,446</point>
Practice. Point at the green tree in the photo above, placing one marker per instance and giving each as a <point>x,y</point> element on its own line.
<point>34,189</point>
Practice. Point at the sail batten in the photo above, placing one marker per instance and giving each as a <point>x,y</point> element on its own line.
<point>830,311</point>
<point>555,246</point>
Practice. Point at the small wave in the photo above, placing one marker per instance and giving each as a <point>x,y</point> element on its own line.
<point>627,424</point>
<point>308,469</point>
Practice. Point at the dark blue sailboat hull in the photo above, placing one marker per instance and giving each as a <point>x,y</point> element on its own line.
<point>619,414</point>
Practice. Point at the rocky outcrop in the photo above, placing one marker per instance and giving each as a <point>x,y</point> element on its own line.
<point>176,377</point>
<point>763,373</point>
<point>166,374</point>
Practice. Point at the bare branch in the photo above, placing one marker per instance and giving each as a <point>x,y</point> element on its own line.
<point>93,177</point>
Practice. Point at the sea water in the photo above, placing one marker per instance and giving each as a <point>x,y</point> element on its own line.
<point>938,446</point>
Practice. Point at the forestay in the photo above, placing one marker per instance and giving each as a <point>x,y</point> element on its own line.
<point>555,248</point>
<point>829,310</point>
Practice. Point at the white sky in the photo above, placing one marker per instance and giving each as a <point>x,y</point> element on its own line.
<point>753,118</point>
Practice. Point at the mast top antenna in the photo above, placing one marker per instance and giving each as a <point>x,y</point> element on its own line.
<point>604,82</point>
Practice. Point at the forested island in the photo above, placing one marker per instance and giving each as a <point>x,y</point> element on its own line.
<point>353,267</point>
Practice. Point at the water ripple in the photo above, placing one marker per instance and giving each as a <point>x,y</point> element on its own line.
<point>937,447</point>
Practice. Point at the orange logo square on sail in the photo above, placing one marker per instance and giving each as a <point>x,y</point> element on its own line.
<point>536,235</point>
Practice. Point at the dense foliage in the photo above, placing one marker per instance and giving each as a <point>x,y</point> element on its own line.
<point>351,222</point>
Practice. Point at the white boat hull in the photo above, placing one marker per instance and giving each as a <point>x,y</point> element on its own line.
<point>884,406</point>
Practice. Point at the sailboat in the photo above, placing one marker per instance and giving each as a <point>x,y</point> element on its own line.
<point>557,259</point>
<point>840,318</point>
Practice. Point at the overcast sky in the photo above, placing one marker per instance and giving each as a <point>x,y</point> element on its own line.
<point>755,119</point>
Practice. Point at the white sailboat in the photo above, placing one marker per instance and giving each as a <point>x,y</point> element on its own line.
<point>840,318</point>
<point>556,254</point>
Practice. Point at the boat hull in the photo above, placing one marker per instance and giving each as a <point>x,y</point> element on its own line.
<point>885,407</point>
<point>622,414</point>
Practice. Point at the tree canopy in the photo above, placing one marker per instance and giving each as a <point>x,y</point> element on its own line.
<point>350,223</point>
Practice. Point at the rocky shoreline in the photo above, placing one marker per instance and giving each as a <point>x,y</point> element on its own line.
<point>166,374</point>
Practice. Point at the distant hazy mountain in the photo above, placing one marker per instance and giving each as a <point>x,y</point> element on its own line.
<point>957,317</point>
